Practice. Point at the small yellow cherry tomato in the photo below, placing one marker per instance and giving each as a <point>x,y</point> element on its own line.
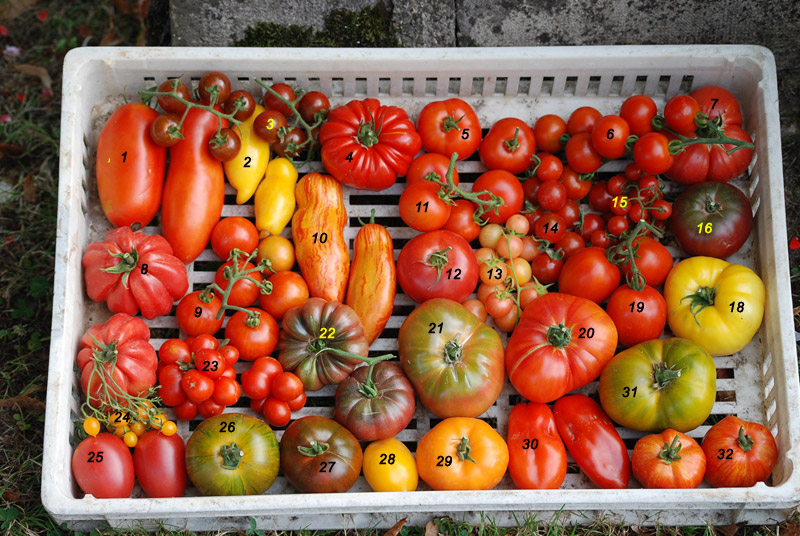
<point>169,428</point>
<point>91,426</point>
<point>121,430</point>
<point>130,439</point>
<point>390,466</point>
<point>158,421</point>
<point>146,406</point>
<point>138,428</point>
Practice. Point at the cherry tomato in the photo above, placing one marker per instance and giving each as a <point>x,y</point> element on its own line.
<point>289,145</point>
<point>581,154</point>
<point>421,208</point>
<point>477,308</point>
<point>550,227</point>
<point>267,124</point>
<point>165,131</point>
<point>600,239</point>
<point>651,153</point>
<point>312,103</point>
<point>171,104</point>
<point>197,386</point>
<point>277,412</point>
<point>286,386</point>
<point>570,243</point>
<point>430,165</point>
<point>209,408</point>
<point>609,136</point>
<point>546,269</point>
<point>226,391</point>
<point>547,132</point>
<point>490,235</point>
<point>653,259</point>
<point>247,104</point>
<point>279,251</point>
<point>498,304</point>
<point>616,184</point>
<point>186,411</point>
<point>210,363</point>
<point>549,168</point>
<point>661,210</point>
<point>591,223</point>
<point>233,232</point>
<point>196,316</point>
<point>174,350</point>
<point>230,354</point>
<point>679,114</point>
<point>461,220</point>
<point>225,146</point>
<point>519,224</point>
<point>252,341</point>
<point>638,111</point>
<point>271,102</point>
<point>617,225</point>
<point>582,120</point>
<point>600,198</point>
<point>204,340</point>
<point>634,173</point>
<point>576,188</point>
<point>207,83</point>
<point>552,195</point>
<point>571,212</point>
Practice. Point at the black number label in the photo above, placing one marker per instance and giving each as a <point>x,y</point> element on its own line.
<point>530,443</point>
<point>386,459</point>
<point>210,366</point>
<point>638,305</point>
<point>95,457</point>
<point>610,134</point>
<point>349,158</point>
<point>227,426</point>
<point>454,274</point>
<point>320,237</point>
<point>585,333</point>
<point>326,465</point>
<point>144,269</point>
<point>327,333</point>
<point>120,417</point>
<point>422,205</point>
<point>725,454</point>
<point>497,271</point>
<point>198,311</point>
<point>627,391</point>
<point>738,306</point>
<point>247,161</point>
<point>433,326</point>
<point>465,134</point>
<point>444,461</point>
<point>715,103</point>
<point>124,156</point>
<point>553,229</point>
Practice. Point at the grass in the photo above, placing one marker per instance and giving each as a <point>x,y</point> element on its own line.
<point>28,204</point>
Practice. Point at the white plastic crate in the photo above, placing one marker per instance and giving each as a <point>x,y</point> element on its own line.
<point>760,383</point>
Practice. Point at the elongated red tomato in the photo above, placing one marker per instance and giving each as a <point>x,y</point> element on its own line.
<point>159,464</point>
<point>130,166</point>
<point>103,466</point>
<point>593,441</point>
<point>537,457</point>
<point>195,190</point>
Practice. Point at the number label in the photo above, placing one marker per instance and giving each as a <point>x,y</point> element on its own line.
<point>95,457</point>
<point>444,461</point>
<point>639,306</point>
<point>715,103</point>
<point>465,134</point>
<point>326,467</point>
<point>270,123</point>
<point>144,269</point>
<point>227,427</point>
<point>124,156</point>
<point>725,454</point>
<point>454,274</point>
<point>327,333</point>
<point>530,444</point>
<point>387,459</point>
<point>498,273</point>
<point>320,237</point>
<point>422,205</point>
<point>620,201</point>
<point>211,366</point>
<point>434,326</point>
<point>198,311</point>
<point>705,228</point>
<point>738,306</point>
<point>586,333</point>
<point>349,158</point>
<point>247,159</point>
<point>610,134</point>
<point>547,228</point>
<point>628,392</point>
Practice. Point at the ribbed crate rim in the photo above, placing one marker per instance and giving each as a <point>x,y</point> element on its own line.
<point>349,61</point>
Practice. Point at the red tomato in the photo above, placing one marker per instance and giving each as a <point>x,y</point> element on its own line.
<point>252,341</point>
<point>437,264</point>
<point>545,268</point>
<point>174,350</point>
<point>504,185</point>
<point>638,111</point>
<point>277,412</point>
<point>286,386</point>
<point>600,239</point>
<point>170,390</point>
<point>197,386</point>
<point>581,154</point>
<point>576,188</point>
<point>550,167</point>
<point>571,212</point>
<point>600,198</point>
<point>449,126</point>
<point>226,391</point>
<point>461,220</point>
<point>195,316</point>
<point>550,227</point>
<point>244,292</point>
<point>582,120</point>
<point>738,453</point>
<point>159,464</point>
<point>186,411</point>
<point>256,381</point>
<point>593,441</point>
<point>719,102</point>
<point>171,104</point>
<point>640,315</point>
<point>679,114</point>
<point>312,103</point>
<point>609,136</point>
<point>103,466</point>
<point>509,146</point>
<point>591,223</point>
<point>617,225</point>
<point>589,274</point>
<point>230,354</point>
<point>289,290</point>
<point>421,207</point>
<point>209,408</point>
<point>552,195</point>
<point>668,460</point>
<point>654,261</point>
<point>537,458</point>
<point>271,102</point>
<point>210,363</point>
<point>661,210</point>
<point>570,243</point>
<point>428,165</point>
<point>651,153</point>
<point>547,132</point>
<point>233,232</point>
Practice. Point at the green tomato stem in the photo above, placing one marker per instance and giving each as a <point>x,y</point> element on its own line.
<point>317,448</point>
<point>671,451</point>
<point>231,456</point>
<point>745,441</point>
<point>464,449</point>
<point>559,336</point>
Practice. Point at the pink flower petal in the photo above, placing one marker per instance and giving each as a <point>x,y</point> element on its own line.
<point>11,51</point>
<point>5,118</point>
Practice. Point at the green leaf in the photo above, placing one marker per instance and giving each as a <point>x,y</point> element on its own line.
<point>35,342</point>
<point>22,311</point>
<point>40,287</point>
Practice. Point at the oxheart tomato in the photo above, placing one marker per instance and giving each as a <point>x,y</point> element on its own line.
<point>453,360</point>
<point>437,264</point>
<point>134,271</point>
<point>376,409</point>
<point>462,453</point>
<point>712,219</point>
<point>561,343</point>
<point>367,145</point>
<point>668,460</point>
<point>509,146</point>
<point>537,457</point>
<point>589,274</point>
<point>130,167</point>
<point>739,453</point>
<point>103,467</point>
<point>319,455</point>
<point>659,384</point>
<point>390,466</point>
<point>640,315</point>
<point>160,466</point>
<point>449,126</point>
<point>312,335</point>
<point>505,186</point>
<point>232,454</point>
<point>593,441</point>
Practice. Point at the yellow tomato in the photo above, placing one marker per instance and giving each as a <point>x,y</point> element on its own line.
<point>248,167</point>
<point>279,251</point>
<point>91,426</point>
<point>714,303</point>
<point>390,466</point>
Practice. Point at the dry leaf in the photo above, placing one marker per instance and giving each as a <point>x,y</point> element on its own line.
<point>431,529</point>
<point>790,529</point>
<point>12,8</point>
<point>110,38</point>
<point>10,495</point>
<point>84,31</point>
<point>35,70</point>
<point>7,148</point>
<point>395,530</point>
<point>29,193</point>
<point>137,8</point>
<point>728,530</point>
<point>23,401</point>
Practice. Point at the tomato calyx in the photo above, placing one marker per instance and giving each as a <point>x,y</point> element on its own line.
<point>128,262</point>
<point>744,441</point>
<point>438,260</point>
<point>451,123</point>
<point>231,456</point>
<point>704,297</point>
<point>712,207</point>
<point>559,336</point>
<point>512,144</point>
<point>105,353</point>
<point>664,375</point>
<point>317,448</point>
<point>367,387</point>
<point>367,134</point>
<point>671,451</point>
<point>463,450</point>
<point>453,350</point>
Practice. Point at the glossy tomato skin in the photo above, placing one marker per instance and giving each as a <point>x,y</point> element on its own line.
<point>561,343</point>
<point>459,275</point>
<point>440,455</point>
<point>537,457</point>
<point>509,145</point>
<point>453,360</point>
<point>130,166</point>
<point>381,416</point>
<point>589,274</point>
<point>390,466</point>
<point>593,441</point>
<point>738,453</point>
<point>194,192</point>
<point>159,463</point>
<point>217,467</point>
<point>449,126</point>
<point>719,102</point>
<point>654,261</point>
<point>421,208</point>
<point>722,206</point>
<point>430,163</point>
<point>461,220</point>
<point>252,342</point>
<point>654,471</point>
<point>196,317</point>
<point>640,315</point>
<point>289,290</point>
<point>333,468</point>
<point>103,467</point>
<point>502,184</point>
<point>640,388</point>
